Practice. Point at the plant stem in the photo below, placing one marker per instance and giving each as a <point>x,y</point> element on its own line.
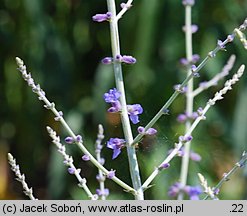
<point>51,106</point>
<point>133,164</point>
<point>225,178</point>
<point>210,103</point>
<point>189,99</point>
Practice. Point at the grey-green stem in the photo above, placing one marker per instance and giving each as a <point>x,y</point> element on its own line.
<point>51,106</point>
<point>226,177</point>
<point>210,55</point>
<point>133,164</point>
<point>189,99</point>
<point>210,103</point>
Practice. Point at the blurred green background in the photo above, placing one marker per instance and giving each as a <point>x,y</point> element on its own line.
<point>62,47</point>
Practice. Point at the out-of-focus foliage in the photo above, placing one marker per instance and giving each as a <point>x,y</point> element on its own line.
<point>62,47</point>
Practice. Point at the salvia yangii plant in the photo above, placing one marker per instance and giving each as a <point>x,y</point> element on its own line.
<point>130,115</point>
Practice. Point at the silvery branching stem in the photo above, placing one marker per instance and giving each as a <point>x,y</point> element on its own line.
<point>98,147</point>
<point>218,96</point>
<point>59,117</point>
<point>117,67</point>
<point>189,96</point>
<point>20,177</point>
<point>212,192</point>
<point>225,71</point>
<point>220,46</point>
<point>68,161</point>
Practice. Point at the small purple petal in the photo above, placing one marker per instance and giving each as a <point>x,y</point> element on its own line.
<point>102,17</point>
<point>127,6</point>
<point>175,189</point>
<point>107,60</point>
<point>118,57</point>
<point>220,44</point>
<point>116,145</point>
<point>194,28</point>
<point>185,138</point>
<point>105,192</point>
<point>151,131</point>
<point>128,59</point>
<point>78,138</point>
<point>85,157</point>
<point>112,96</point>
<point>182,118</point>
<point>194,115</point>
<point>141,130</point>
<point>193,191</point>
<point>112,110</point>
<point>188,2</point>
<point>134,119</point>
<point>200,111</point>
<point>230,38</point>
<point>133,111</point>
<point>69,140</point>
<point>193,68</point>
<point>216,191</point>
<point>195,157</point>
<point>181,152</point>
<point>71,170</point>
<point>165,165</point>
<point>195,58</point>
<point>116,152</point>
<point>184,61</point>
<point>111,174</point>
<point>188,138</point>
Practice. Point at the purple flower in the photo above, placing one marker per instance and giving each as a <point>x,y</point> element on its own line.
<point>78,138</point>
<point>193,115</point>
<point>230,38</point>
<point>116,145</point>
<point>85,157</point>
<point>69,140</point>
<point>111,174</point>
<point>102,17</point>
<point>133,111</point>
<point>188,2</point>
<point>112,96</point>
<point>124,5</point>
<point>116,107</point>
<point>71,170</point>
<point>178,88</point>
<point>126,59</point>
<point>100,178</point>
<point>104,192</point>
<point>194,28</point>
<point>193,68</point>
<point>220,44</point>
<point>195,157</point>
<point>165,165</point>
<point>184,61</point>
<point>175,189</point>
<point>193,191</point>
<point>185,138</point>
<point>107,60</point>
<point>216,191</point>
<point>150,131</point>
<point>195,58</point>
<point>200,111</point>
<point>182,118</point>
